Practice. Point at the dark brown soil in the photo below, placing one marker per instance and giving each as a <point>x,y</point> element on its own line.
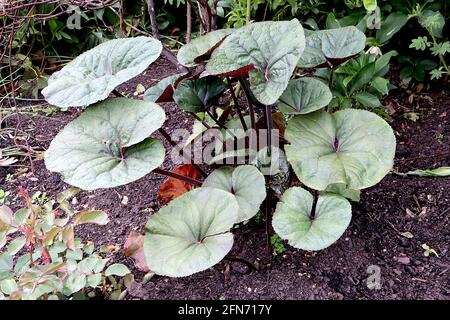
<point>420,206</point>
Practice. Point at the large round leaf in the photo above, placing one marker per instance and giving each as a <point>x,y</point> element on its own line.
<point>304,95</point>
<point>351,147</point>
<point>191,233</point>
<point>292,219</point>
<point>271,48</point>
<point>334,45</point>
<point>195,95</point>
<point>92,76</point>
<point>201,46</point>
<point>246,183</point>
<point>102,148</point>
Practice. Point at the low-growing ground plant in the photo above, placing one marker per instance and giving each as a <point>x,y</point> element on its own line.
<point>433,22</point>
<point>361,82</point>
<point>415,67</point>
<point>282,129</point>
<point>40,257</point>
<point>3,196</point>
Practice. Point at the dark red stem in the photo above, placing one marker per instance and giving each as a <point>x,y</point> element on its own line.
<point>250,104</point>
<point>268,208</point>
<point>178,176</point>
<point>166,136</point>
<point>314,206</point>
<point>236,104</point>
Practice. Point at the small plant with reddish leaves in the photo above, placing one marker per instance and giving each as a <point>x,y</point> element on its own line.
<point>40,257</point>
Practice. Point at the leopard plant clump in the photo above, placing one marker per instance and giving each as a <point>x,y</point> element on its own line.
<point>274,65</point>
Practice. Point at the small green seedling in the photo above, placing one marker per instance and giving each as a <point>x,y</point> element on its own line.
<point>440,137</point>
<point>259,217</point>
<point>9,178</point>
<point>412,116</point>
<point>277,244</point>
<point>39,198</point>
<point>428,250</point>
<point>3,196</point>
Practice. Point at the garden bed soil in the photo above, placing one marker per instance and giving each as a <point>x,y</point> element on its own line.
<point>398,204</point>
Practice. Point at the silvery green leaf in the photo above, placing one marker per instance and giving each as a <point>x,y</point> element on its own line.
<point>6,223</point>
<point>6,275</point>
<point>203,45</point>
<point>47,286</point>
<point>304,95</point>
<point>94,280</point>
<point>334,45</point>
<point>233,156</point>
<point>341,190</point>
<point>438,172</point>
<point>355,148</point>
<point>6,217</point>
<point>74,283</point>
<point>117,269</point>
<point>16,245</point>
<point>88,264</point>
<point>191,233</point>
<point>275,166</point>
<point>6,262</point>
<point>161,89</point>
<point>93,75</point>
<point>292,219</point>
<point>95,216</point>
<point>20,216</point>
<point>76,254</point>
<point>100,265</point>
<point>245,182</point>
<point>102,148</point>
<point>22,263</point>
<point>8,286</point>
<point>269,49</point>
<point>227,152</point>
